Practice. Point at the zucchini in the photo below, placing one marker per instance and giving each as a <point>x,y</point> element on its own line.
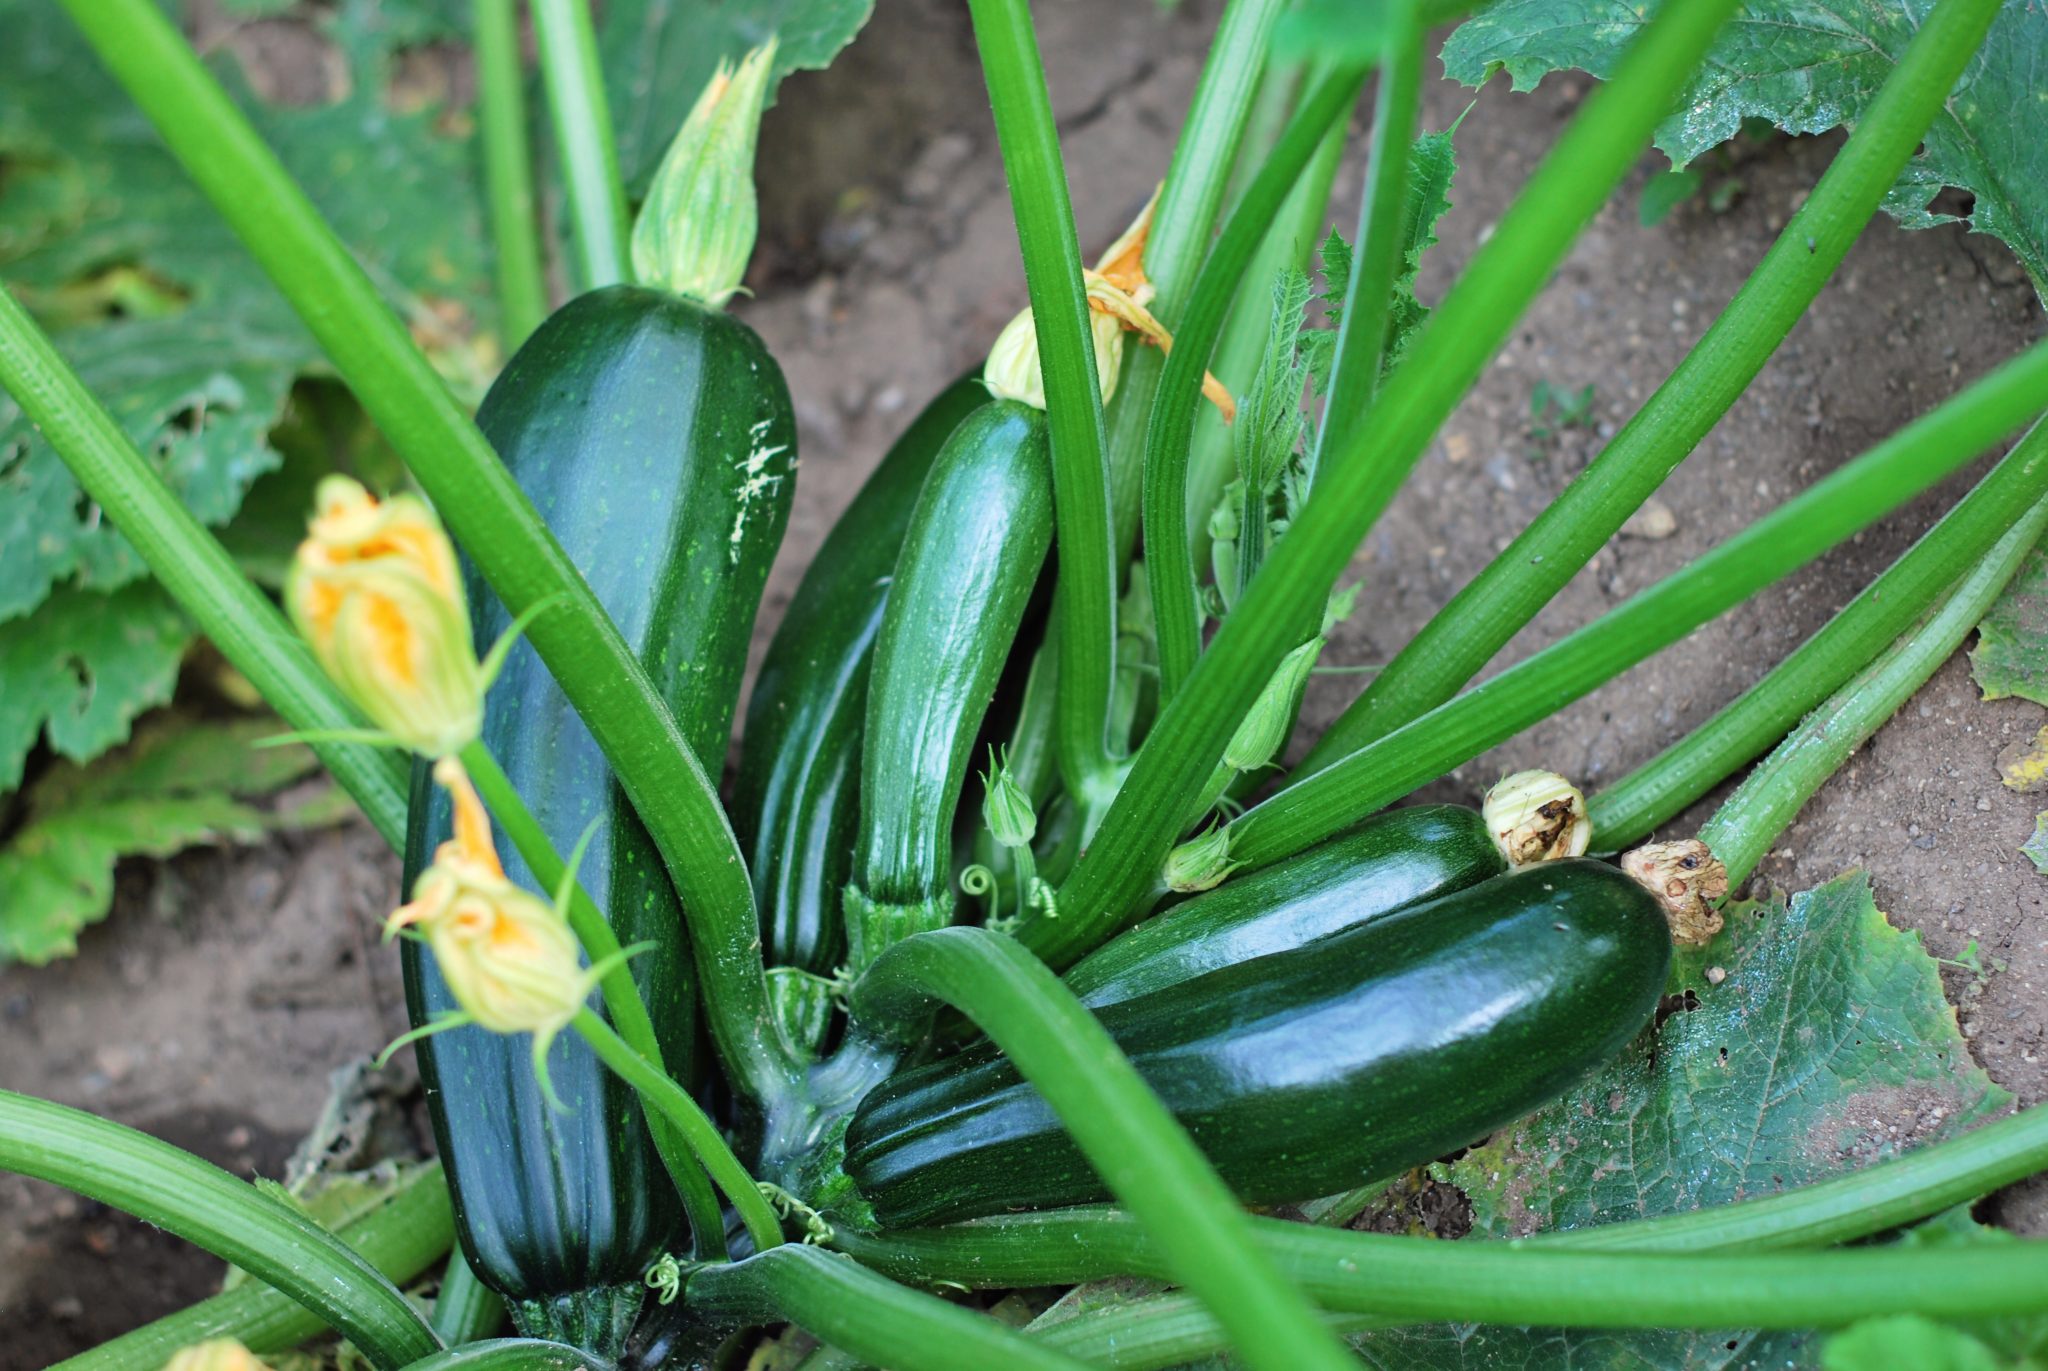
<point>1310,1071</point>
<point>796,799</point>
<point>656,438</point>
<point>971,556</point>
<point>1392,860</point>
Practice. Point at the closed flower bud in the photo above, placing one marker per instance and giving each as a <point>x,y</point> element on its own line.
<point>1537,816</point>
<point>1201,863</point>
<point>376,593</point>
<point>1118,292</point>
<point>696,228</point>
<point>217,1354</point>
<point>1264,728</point>
<point>1011,372</point>
<point>1006,809</point>
<point>508,956</point>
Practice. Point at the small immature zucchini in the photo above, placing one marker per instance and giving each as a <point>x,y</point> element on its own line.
<point>796,800</point>
<point>1392,860</point>
<point>977,541</point>
<point>1311,1071</point>
<point>656,438</point>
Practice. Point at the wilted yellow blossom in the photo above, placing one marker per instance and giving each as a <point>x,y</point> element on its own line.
<point>217,1354</point>
<point>376,592</point>
<point>508,956</point>
<point>1118,293</point>
<point>696,228</point>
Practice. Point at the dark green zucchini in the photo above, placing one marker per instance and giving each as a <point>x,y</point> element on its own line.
<point>1392,860</point>
<point>1310,1071</point>
<point>656,438</point>
<point>970,558</point>
<point>796,799</point>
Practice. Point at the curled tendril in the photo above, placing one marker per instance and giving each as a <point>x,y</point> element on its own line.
<point>1042,898</point>
<point>788,1206</point>
<point>665,1278</point>
<point>980,882</point>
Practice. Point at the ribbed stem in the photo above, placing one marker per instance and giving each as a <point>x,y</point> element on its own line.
<point>508,170</point>
<point>1849,499</point>
<point>1467,633</point>
<point>584,145</point>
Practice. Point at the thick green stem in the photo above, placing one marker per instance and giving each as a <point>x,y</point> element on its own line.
<point>1631,808</point>
<point>508,170</point>
<point>480,502</point>
<point>583,140</point>
<point>1189,201</point>
<point>1406,1280</point>
<point>1910,461</point>
<point>465,1309</point>
<point>1601,144</point>
<point>1481,619</point>
<point>512,1354</point>
<point>663,1096</point>
<point>1382,227</point>
<point>402,1237</point>
<point>621,997</point>
<point>1086,592</point>
<point>192,565</point>
<point>1743,829</point>
<point>199,1202</point>
<point>1289,243</point>
<point>1145,1158</point>
<point>1169,561</point>
<point>872,1318</point>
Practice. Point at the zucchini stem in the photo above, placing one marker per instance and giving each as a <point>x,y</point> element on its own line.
<point>402,1237</point>
<point>589,156</point>
<point>1902,466</point>
<point>1168,559</point>
<point>1743,829</point>
<point>868,1316</point>
<point>1543,1281</point>
<point>1382,226</point>
<point>1454,346</point>
<point>169,1188</point>
<point>621,996</point>
<point>1197,180</point>
<point>661,1095</point>
<point>1633,807</point>
<point>1086,590</point>
<point>1141,1152</point>
<point>1455,645</point>
<point>508,171</point>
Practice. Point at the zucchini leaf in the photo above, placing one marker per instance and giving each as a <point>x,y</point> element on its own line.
<point>172,325</point>
<point>180,783</point>
<point>1820,1042</point>
<point>2011,656</point>
<point>1809,66</point>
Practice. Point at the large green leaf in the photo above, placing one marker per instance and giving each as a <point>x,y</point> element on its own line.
<point>2011,656</point>
<point>1809,66</point>
<point>1821,1043</point>
<point>178,784</point>
<point>82,665</point>
<point>171,324</point>
<point>657,55</point>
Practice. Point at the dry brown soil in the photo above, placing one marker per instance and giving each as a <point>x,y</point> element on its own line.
<point>211,1006</point>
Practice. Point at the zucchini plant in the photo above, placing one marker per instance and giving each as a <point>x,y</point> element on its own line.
<point>1072,1019</point>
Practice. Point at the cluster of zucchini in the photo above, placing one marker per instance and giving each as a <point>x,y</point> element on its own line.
<point>1335,1019</point>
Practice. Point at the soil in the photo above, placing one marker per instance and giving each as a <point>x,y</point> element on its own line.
<point>211,1006</point>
